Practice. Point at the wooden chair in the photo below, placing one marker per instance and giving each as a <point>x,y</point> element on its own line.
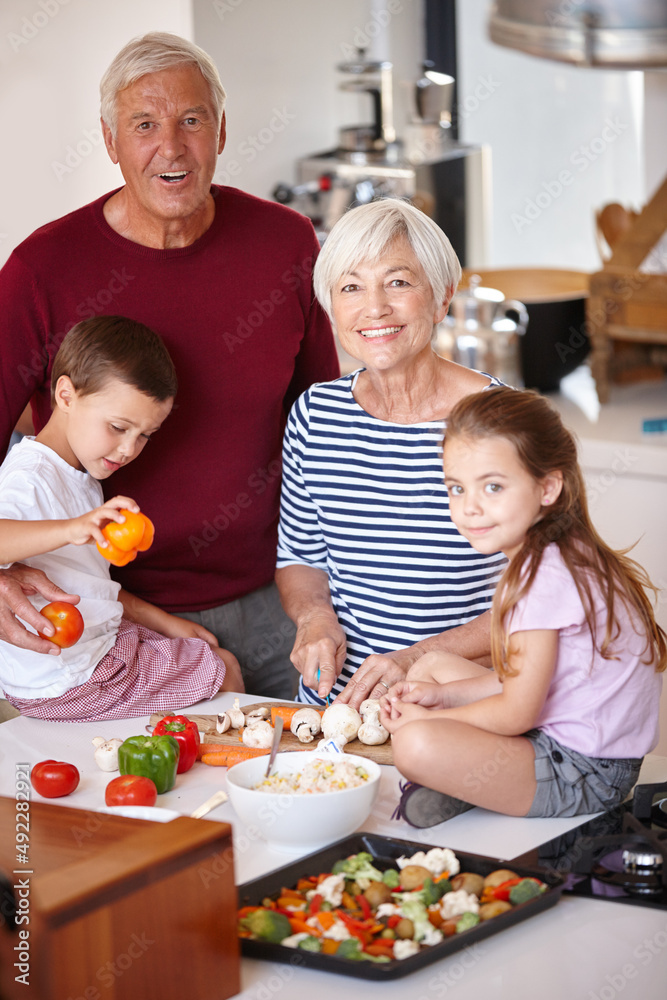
<point>626,304</point>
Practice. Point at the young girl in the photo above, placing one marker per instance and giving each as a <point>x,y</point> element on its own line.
<point>113,384</point>
<point>561,724</point>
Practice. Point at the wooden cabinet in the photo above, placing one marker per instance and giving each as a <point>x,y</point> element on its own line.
<point>117,908</point>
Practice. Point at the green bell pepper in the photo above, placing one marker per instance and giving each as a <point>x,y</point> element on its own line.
<point>155,757</point>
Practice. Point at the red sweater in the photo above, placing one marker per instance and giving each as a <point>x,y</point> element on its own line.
<point>237,314</point>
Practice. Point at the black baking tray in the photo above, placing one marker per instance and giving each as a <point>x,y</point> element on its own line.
<point>385,852</point>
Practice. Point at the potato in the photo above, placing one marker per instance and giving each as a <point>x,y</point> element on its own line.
<point>469,881</point>
<point>404,928</point>
<point>378,893</point>
<point>499,876</point>
<point>494,909</point>
<point>412,876</point>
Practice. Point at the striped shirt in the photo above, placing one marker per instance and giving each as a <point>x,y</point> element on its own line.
<point>364,500</point>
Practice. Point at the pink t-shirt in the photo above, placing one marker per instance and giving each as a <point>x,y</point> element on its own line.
<point>601,708</point>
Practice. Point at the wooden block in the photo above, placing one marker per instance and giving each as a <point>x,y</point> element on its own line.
<point>121,909</point>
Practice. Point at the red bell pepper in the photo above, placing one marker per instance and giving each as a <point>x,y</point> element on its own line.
<point>502,891</point>
<point>364,906</point>
<point>186,735</point>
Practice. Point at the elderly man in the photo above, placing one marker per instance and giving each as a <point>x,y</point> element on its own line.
<point>225,278</point>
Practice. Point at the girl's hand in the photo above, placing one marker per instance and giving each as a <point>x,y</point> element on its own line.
<point>399,713</point>
<point>87,529</point>
<point>428,695</point>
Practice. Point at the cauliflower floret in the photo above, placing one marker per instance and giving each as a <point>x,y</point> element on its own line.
<point>387,910</point>
<point>457,902</point>
<point>403,949</point>
<point>437,861</point>
<point>330,889</point>
<point>294,940</point>
<point>337,932</point>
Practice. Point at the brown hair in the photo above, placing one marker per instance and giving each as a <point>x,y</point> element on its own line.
<point>545,446</point>
<point>106,347</point>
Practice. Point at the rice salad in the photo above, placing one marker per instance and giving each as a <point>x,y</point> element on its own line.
<point>315,777</point>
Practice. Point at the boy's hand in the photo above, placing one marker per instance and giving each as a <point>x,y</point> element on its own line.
<point>87,529</point>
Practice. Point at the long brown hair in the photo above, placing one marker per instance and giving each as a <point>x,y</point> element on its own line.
<point>545,446</point>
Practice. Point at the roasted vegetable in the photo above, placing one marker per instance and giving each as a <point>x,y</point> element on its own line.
<point>358,866</point>
<point>527,888</point>
<point>493,909</point>
<point>465,922</point>
<point>267,925</point>
<point>468,881</point>
<point>413,876</point>
<point>498,876</point>
<point>377,893</point>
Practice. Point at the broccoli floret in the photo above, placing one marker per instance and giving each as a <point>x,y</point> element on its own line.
<point>432,891</point>
<point>391,878</point>
<point>267,925</point>
<point>350,948</point>
<point>466,921</point>
<point>524,890</point>
<point>357,866</point>
<point>311,943</point>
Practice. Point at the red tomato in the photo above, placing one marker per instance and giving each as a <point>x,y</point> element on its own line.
<point>53,778</point>
<point>131,790</point>
<point>67,621</point>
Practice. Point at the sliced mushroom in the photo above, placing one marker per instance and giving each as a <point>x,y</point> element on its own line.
<point>306,724</point>
<point>341,721</point>
<point>236,716</point>
<point>260,735</point>
<point>372,733</point>
<point>223,723</point>
<point>261,712</point>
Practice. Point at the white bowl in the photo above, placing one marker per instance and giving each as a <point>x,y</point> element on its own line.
<point>298,824</point>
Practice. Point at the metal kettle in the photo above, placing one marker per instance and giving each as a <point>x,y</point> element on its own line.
<point>482,335</point>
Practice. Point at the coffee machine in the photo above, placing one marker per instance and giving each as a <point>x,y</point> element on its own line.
<point>448,180</point>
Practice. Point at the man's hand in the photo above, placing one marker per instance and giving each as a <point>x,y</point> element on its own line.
<point>17,584</point>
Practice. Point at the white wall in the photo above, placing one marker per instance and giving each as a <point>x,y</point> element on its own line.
<point>543,118</point>
<point>52,56</point>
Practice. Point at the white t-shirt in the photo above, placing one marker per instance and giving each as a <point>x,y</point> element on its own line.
<point>601,708</point>
<point>36,484</point>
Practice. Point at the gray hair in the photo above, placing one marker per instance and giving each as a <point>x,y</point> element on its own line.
<point>152,53</point>
<point>364,233</point>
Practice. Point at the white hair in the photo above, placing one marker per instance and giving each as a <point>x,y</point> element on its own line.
<point>363,235</point>
<point>152,53</point>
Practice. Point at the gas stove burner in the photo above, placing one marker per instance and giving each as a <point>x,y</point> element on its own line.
<point>636,868</point>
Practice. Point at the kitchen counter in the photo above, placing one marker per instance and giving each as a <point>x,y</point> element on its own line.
<point>581,949</point>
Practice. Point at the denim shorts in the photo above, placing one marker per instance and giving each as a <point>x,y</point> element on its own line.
<point>571,784</point>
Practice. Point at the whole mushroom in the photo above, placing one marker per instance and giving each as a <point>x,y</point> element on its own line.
<point>106,753</point>
<point>372,732</point>
<point>236,716</point>
<point>341,722</point>
<point>306,724</point>
<point>260,735</point>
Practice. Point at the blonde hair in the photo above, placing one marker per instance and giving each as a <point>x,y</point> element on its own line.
<point>364,233</point>
<point>544,446</point>
<point>152,53</point>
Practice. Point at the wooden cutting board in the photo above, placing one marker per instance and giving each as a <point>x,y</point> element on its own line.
<point>206,724</point>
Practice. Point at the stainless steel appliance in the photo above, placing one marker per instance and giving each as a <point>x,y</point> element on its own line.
<point>448,180</point>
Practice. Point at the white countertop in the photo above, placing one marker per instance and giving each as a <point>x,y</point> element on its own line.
<point>581,949</point>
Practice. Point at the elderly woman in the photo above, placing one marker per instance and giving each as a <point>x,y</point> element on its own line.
<point>370,567</point>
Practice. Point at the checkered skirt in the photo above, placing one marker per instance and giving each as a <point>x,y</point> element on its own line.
<point>144,672</point>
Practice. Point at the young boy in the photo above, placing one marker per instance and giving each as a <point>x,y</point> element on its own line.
<point>113,384</point>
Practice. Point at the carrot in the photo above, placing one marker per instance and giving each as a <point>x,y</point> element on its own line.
<point>301,927</point>
<point>380,949</point>
<point>286,712</point>
<point>227,756</point>
<point>325,919</point>
<point>329,946</point>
